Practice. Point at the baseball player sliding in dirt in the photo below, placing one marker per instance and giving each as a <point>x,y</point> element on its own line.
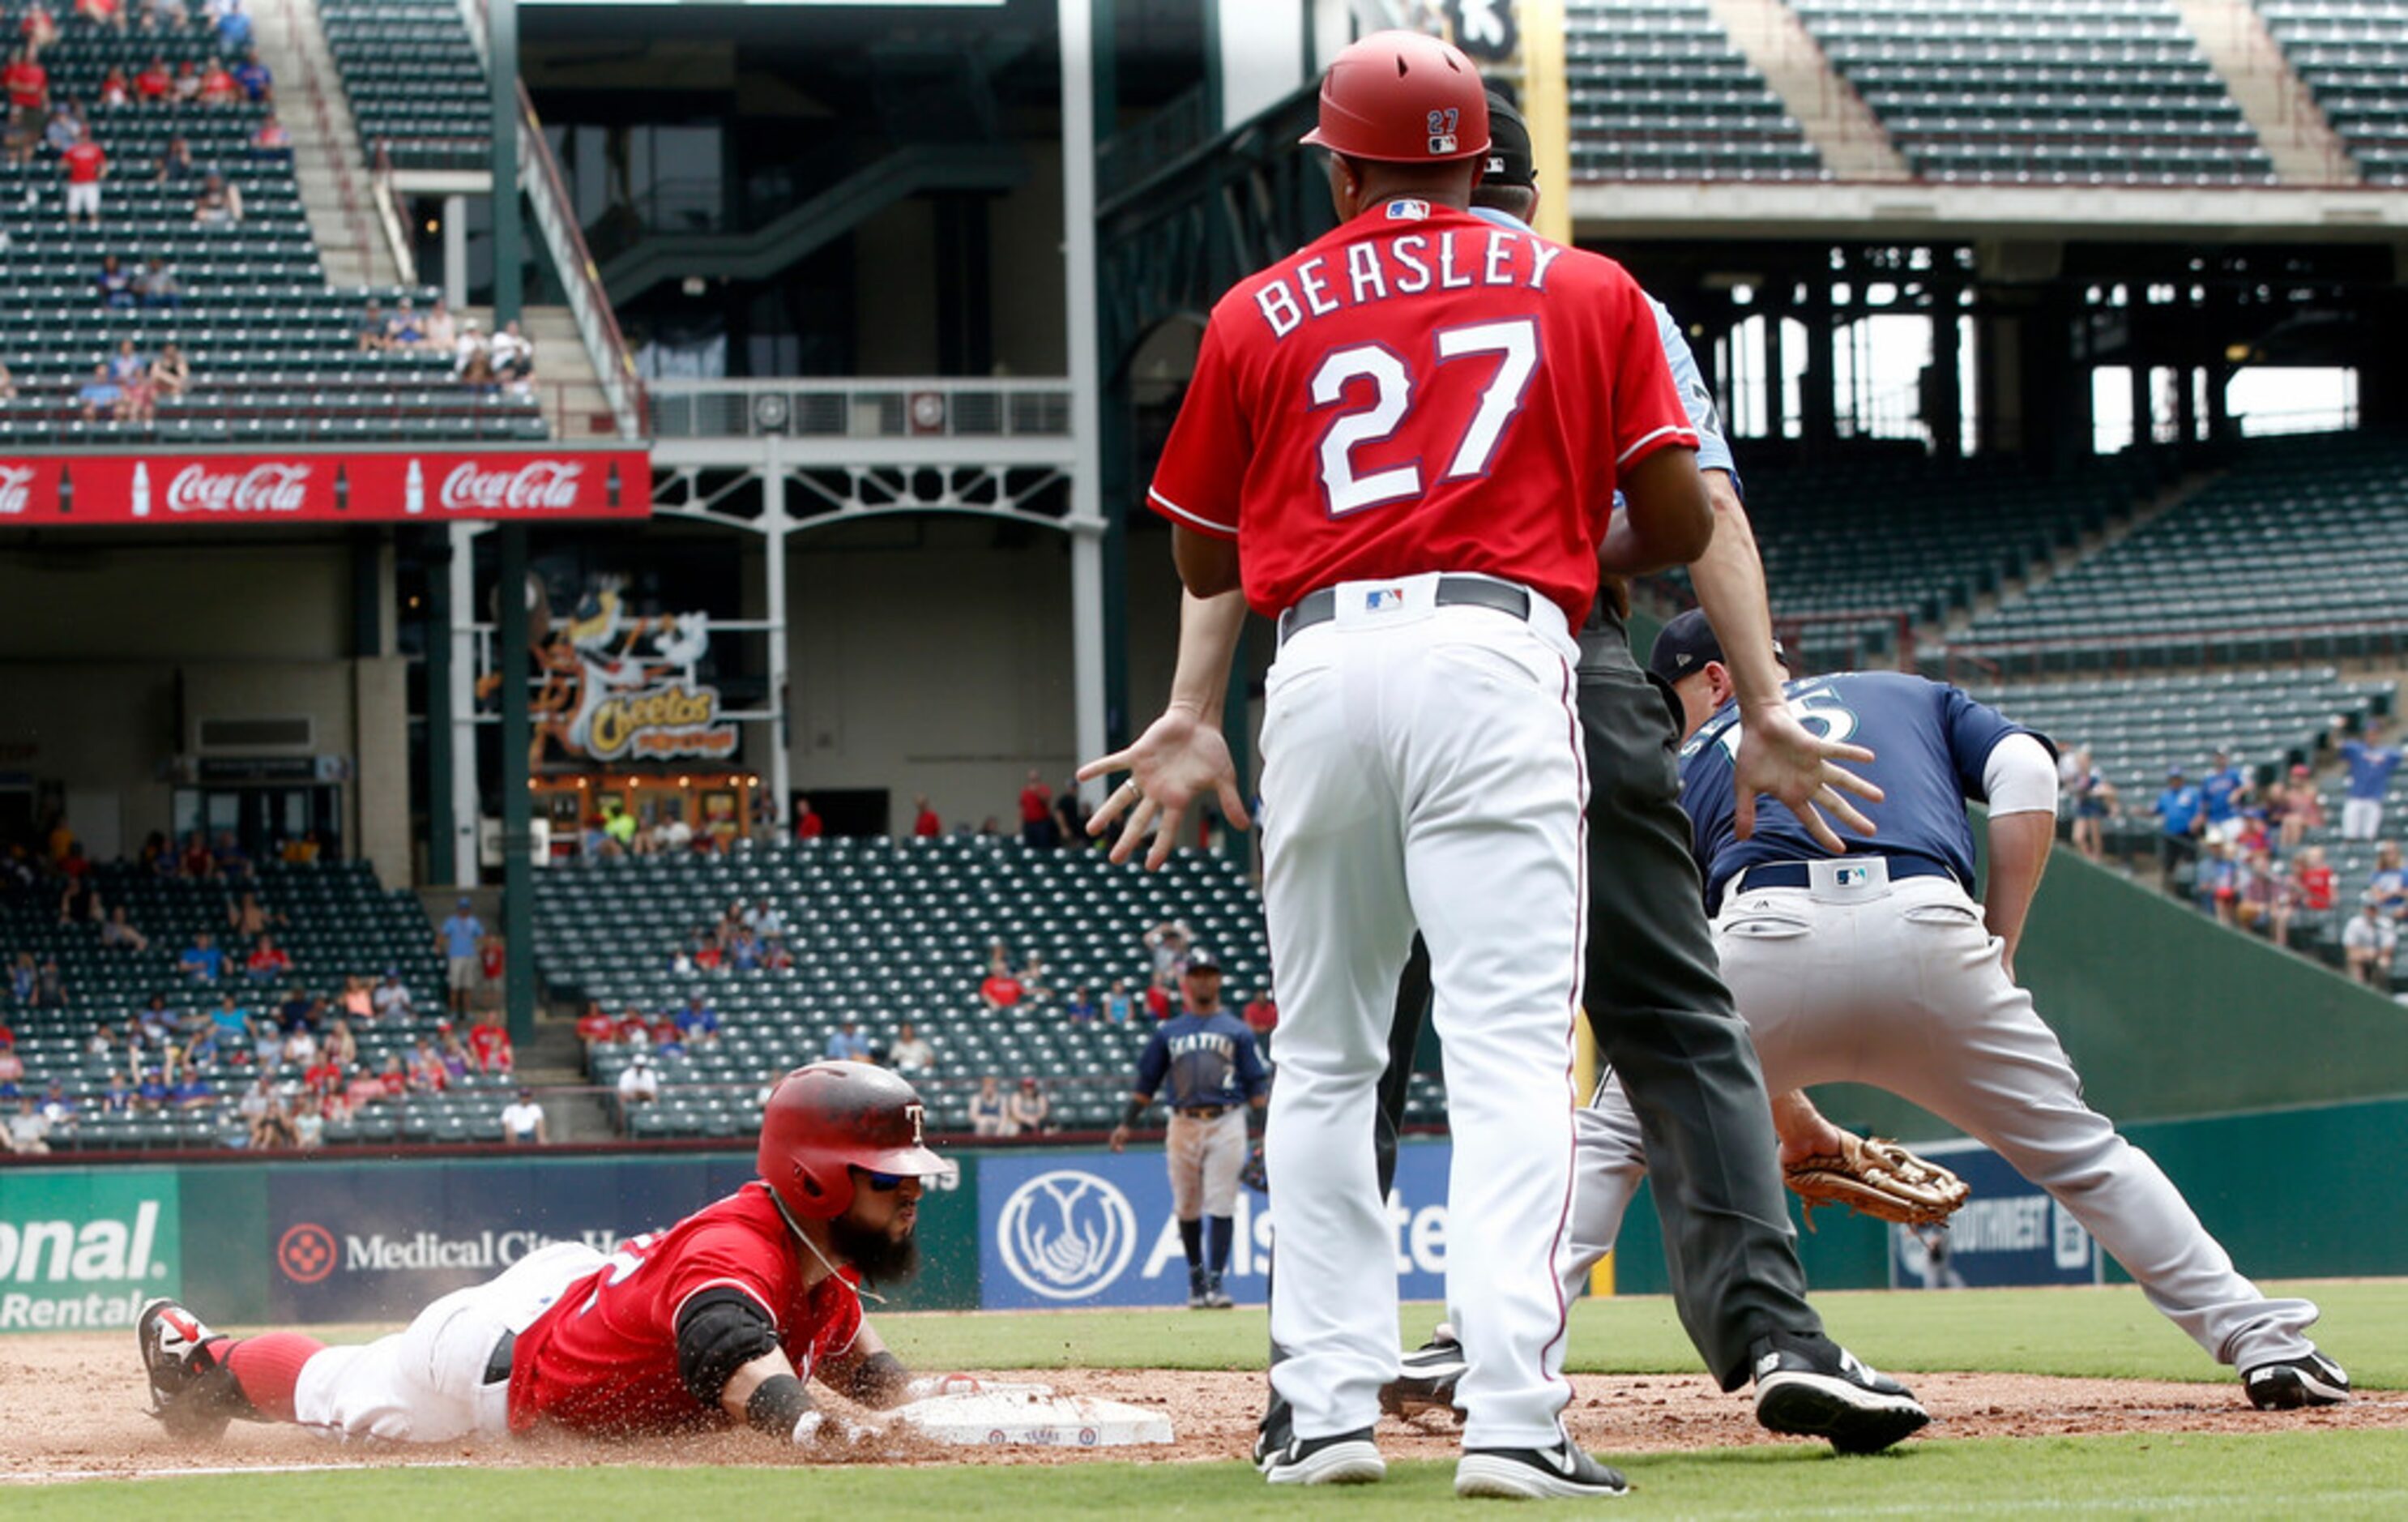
<point>1879,968</point>
<point>1208,1057</point>
<point>1406,440</point>
<point>722,1318</point>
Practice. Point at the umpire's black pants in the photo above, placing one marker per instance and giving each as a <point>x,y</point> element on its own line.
<point>1665,1023</point>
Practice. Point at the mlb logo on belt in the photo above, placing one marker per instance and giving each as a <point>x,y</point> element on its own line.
<point>1850,877</point>
<point>1380,599</point>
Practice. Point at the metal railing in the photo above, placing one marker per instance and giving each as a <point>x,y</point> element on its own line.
<point>856,408</point>
<point>555,217</point>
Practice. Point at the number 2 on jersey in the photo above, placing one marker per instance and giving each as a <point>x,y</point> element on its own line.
<point>1513,342</point>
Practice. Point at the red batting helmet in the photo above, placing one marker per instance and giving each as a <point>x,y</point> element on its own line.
<point>1402,98</point>
<point>828,1118</point>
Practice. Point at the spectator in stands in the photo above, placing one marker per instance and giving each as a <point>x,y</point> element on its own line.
<point>425,1072</point>
<point>638,1082</point>
<point>66,127</point>
<point>233,861</point>
<point>132,373</point>
<point>340,1045</point>
<point>217,84</point>
<point>12,1071</point>
<point>1119,1007</point>
<point>999,988</point>
<point>196,860</point>
<point>40,28</point>
<point>192,1092</point>
<point>230,1023</point>
<point>50,986</point>
<point>157,286</point>
<point>2223,791</point>
<point>2370,764</point>
<point>1036,813</point>
<point>28,1134</point>
<point>58,1107</point>
<point>273,142</point>
<point>1070,816</point>
<point>2302,805</point>
<point>2217,886</point>
<point>698,1024</point>
<point>164,16</point>
<point>1079,1008</point>
<point>267,961</point>
<point>808,825</point>
<point>2319,889</point>
<point>257,81</point>
<point>253,1107</point>
<point>176,165</point>
<point>249,919</point>
<point>926,826</point>
<point>775,956</point>
<point>457,939</point>
<point>232,19</point>
<point>2367,944</point>
<point>489,1044</point>
<point>2269,897</point>
<point>108,13</point>
<point>2387,886</point>
<point>846,1043</point>
<point>219,204</point>
<point>440,332</point>
<point>1029,1111</point>
<point>1166,947</point>
<point>912,1056</point>
<point>152,1094</point>
<point>1157,1001</point>
<point>24,974</point>
<point>990,1115</point>
<point>2181,811</point>
<point>85,164</point>
<point>155,83</point>
<point>79,901</point>
<point>99,395</point>
<point>1262,1016</point>
<point>392,997</point>
<point>23,137</point>
<point>744,950</point>
<point>28,83</point>
<point>301,1048</point>
<point>595,1028</point>
<point>356,1001</point>
<point>202,962</point>
<point>523,1123</point>
<point>116,91</point>
<point>1034,982</point>
<point>118,933</point>
<point>188,83</point>
<point>513,356</point>
<point>403,329</point>
<point>117,1097</point>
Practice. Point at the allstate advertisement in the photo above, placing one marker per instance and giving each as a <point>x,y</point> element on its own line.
<point>1085,1228</point>
<point>2010,1232</point>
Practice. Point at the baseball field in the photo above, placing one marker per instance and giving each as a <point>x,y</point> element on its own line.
<point>2046,1402</point>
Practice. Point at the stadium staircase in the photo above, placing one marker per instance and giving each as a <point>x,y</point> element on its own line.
<point>2278,104</point>
<point>2352,55</point>
<point>1828,109</point>
<point>327,157</point>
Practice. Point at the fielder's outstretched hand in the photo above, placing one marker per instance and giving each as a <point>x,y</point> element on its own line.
<point>1179,759</point>
<point>1779,756</point>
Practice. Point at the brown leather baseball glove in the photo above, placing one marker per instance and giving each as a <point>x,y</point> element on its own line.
<point>1880,1178</point>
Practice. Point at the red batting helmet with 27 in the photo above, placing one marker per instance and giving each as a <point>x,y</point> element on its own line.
<point>1402,98</point>
<point>828,1118</point>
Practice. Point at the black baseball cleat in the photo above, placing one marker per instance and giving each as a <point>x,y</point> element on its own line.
<point>192,1393</point>
<point>1427,1376</point>
<point>1812,1387</point>
<point>1347,1458</point>
<point>2311,1381</point>
<point>1562,1472</point>
<point>1275,1431</point>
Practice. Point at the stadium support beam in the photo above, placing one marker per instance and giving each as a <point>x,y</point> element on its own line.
<point>467,805</point>
<point>775,528</point>
<point>434,552</point>
<point>509,239</point>
<point>1076,21</point>
<point>1546,105</point>
<point>512,659</point>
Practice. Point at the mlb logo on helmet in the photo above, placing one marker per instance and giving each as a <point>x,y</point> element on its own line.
<point>1441,133</point>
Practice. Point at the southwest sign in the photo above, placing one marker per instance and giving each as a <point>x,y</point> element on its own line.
<point>311,487</point>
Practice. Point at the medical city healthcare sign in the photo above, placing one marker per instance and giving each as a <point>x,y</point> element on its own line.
<point>1077,1229</point>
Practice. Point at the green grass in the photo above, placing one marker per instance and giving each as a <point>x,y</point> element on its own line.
<point>2108,1332</point>
<point>2348,1474</point>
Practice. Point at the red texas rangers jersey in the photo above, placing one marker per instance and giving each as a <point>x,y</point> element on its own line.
<point>604,1359</point>
<point>1420,391</point>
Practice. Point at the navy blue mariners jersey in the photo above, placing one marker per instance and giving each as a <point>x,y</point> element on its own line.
<point>1207,1059</point>
<point>1930,743</point>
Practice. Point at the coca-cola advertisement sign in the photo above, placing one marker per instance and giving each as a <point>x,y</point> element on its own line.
<point>378,487</point>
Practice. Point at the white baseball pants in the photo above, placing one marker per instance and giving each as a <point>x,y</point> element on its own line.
<point>1905,989</point>
<point>1422,768</point>
<point>1205,1158</point>
<point>427,1382</point>
<point>2361,819</point>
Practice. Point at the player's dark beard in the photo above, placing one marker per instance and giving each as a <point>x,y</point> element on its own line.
<point>880,1257</point>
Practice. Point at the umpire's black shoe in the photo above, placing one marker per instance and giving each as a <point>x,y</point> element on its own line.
<point>1562,1472</point>
<point>1427,1376</point>
<point>192,1392</point>
<point>1347,1458</point>
<point>2312,1381</point>
<point>1812,1387</point>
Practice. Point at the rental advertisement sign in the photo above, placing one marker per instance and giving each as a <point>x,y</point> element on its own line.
<point>1065,1229</point>
<point>417,486</point>
<point>84,1248</point>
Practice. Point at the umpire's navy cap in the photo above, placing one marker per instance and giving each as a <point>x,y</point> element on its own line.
<point>1687,643</point>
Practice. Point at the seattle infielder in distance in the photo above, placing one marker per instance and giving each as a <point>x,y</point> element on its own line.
<point>719,1319</point>
<point>1217,1085</point>
<point>1879,968</point>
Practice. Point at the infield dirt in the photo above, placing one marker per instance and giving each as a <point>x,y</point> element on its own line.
<point>94,1423</point>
